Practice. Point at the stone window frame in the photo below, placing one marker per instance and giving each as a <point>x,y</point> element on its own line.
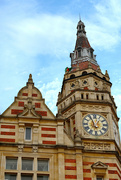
<point>30,132</point>
<point>34,172</point>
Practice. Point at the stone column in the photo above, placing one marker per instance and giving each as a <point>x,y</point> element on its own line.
<point>79,164</point>
<point>2,166</point>
<point>71,128</point>
<point>60,135</point>
<point>34,168</point>
<point>61,165</point>
<point>21,133</point>
<point>78,121</point>
<point>19,167</point>
<point>110,125</point>
<point>35,134</point>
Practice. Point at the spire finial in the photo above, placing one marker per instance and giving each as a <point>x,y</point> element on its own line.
<point>30,80</point>
<point>79,17</point>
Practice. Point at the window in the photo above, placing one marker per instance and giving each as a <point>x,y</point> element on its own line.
<point>79,53</point>
<point>11,163</point>
<point>26,177</point>
<point>102,97</point>
<point>91,52</point>
<point>84,82</point>
<point>42,177</point>
<point>27,164</point>
<point>31,168</point>
<point>97,97</point>
<point>10,176</point>
<point>82,96</point>
<point>76,54</point>
<point>87,96</point>
<point>84,73</point>
<point>72,76</point>
<point>94,73</point>
<point>99,178</point>
<point>42,165</point>
<point>72,85</point>
<point>28,133</point>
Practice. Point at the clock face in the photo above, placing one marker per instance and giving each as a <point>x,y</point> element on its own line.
<point>95,124</point>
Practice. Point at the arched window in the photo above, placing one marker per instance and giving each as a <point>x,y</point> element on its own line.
<point>91,53</point>
<point>102,97</point>
<point>97,97</point>
<point>79,53</point>
<point>87,96</point>
<point>72,76</point>
<point>84,73</point>
<point>76,54</point>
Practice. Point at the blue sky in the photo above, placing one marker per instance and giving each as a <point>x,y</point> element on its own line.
<point>37,36</point>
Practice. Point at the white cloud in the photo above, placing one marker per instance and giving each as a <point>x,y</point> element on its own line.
<point>104,25</point>
<point>50,92</point>
<point>43,34</point>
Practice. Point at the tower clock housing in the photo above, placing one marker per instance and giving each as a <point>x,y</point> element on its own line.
<point>85,99</point>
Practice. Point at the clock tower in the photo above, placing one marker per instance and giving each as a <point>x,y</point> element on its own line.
<point>86,103</point>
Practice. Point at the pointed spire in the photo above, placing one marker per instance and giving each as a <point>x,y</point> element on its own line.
<point>30,80</point>
<point>106,74</point>
<point>83,51</point>
<point>81,29</point>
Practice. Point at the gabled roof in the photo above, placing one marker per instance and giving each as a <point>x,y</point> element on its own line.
<point>99,165</point>
<point>29,104</point>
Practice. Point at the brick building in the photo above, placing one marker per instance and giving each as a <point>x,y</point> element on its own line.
<point>81,142</point>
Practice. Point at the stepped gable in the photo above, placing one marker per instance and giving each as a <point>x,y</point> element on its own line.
<point>29,103</point>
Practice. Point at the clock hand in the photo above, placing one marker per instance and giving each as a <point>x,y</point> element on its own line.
<point>97,122</point>
<point>93,121</point>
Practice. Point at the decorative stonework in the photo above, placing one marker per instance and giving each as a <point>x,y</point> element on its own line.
<point>70,112</point>
<point>84,113</point>
<point>35,129</point>
<point>93,107</point>
<point>97,146</point>
<point>74,84</point>
<point>20,148</point>
<point>59,96</point>
<point>85,134</point>
<point>96,83</point>
<point>35,149</point>
<point>21,129</point>
<point>29,110</point>
<point>104,86</point>
<point>85,83</point>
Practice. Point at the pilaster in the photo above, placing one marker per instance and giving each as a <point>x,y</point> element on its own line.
<point>79,164</point>
<point>61,165</point>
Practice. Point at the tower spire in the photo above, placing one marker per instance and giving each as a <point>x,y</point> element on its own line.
<point>83,51</point>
